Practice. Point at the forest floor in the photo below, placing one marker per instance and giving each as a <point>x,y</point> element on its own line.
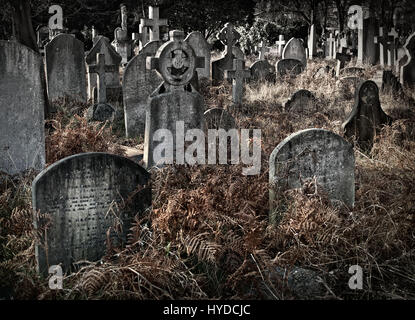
<point>208,236</point>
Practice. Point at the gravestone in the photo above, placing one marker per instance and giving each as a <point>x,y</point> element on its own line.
<point>302,101</point>
<point>330,43</point>
<point>312,153</point>
<point>262,50</point>
<point>408,69</point>
<point>228,36</point>
<point>238,74</point>
<point>382,41</point>
<point>154,23</point>
<point>262,70</point>
<point>238,53</point>
<point>280,44</point>
<point>22,105</point>
<point>42,36</point>
<point>294,49</point>
<point>312,43</point>
<point>393,39</point>
<point>112,79</point>
<point>175,101</point>
<point>81,194</point>
<point>341,57</point>
<point>367,116</point>
<point>355,22</point>
<point>138,83</point>
<point>216,118</point>
<point>202,49</point>
<point>289,67</point>
<point>121,43</point>
<point>65,68</point>
<point>371,49</point>
<point>101,111</point>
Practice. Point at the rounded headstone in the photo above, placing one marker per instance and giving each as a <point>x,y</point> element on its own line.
<point>294,49</point>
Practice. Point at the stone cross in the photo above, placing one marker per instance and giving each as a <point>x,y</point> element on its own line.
<point>262,49</point>
<point>101,69</point>
<point>341,57</point>
<point>392,53</point>
<point>229,36</point>
<point>238,74</point>
<point>355,22</point>
<point>123,17</point>
<point>280,44</point>
<point>154,22</point>
<point>382,41</point>
<point>330,41</point>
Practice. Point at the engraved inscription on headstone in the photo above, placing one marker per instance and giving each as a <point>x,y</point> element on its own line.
<point>78,193</point>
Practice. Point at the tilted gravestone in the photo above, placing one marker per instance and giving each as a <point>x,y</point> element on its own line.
<point>262,70</point>
<point>175,101</point>
<point>86,195</point>
<point>112,79</point>
<point>289,67</point>
<point>216,118</point>
<point>101,111</point>
<point>65,68</point>
<point>302,101</point>
<point>408,69</point>
<point>138,83</point>
<point>294,49</point>
<point>228,36</point>
<point>367,116</point>
<point>312,153</point>
<point>22,105</point>
<point>202,49</point>
<point>238,74</point>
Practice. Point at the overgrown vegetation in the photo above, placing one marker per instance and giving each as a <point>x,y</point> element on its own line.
<point>208,236</point>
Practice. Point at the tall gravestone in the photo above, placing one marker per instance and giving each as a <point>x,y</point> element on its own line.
<point>22,105</point>
<point>312,153</point>
<point>312,43</point>
<point>138,83</point>
<point>228,36</point>
<point>202,49</point>
<point>121,43</point>
<point>65,68</point>
<point>370,32</point>
<point>367,116</point>
<point>175,101</point>
<point>111,58</point>
<point>294,49</point>
<point>355,22</point>
<point>81,194</point>
<point>238,74</point>
<point>408,69</point>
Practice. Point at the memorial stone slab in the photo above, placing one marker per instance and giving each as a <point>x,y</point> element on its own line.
<point>22,105</point>
<point>313,153</point>
<point>78,193</point>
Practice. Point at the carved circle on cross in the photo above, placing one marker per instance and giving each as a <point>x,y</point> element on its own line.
<point>177,60</point>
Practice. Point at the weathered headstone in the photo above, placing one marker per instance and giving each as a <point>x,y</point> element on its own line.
<point>121,43</point>
<point>302,101</point>
<point>408,69</point>
<point>22,105</point>
<point>262,70</point>
<point>313,153</point>
<point>81,194</point>
<point>216,118</point>
<point>228,36</point>
<point>154,23</point>
<point>355,22</point>
<point>175,101</point>
<point>262,50</point>
<point>238,74</point>
<point>330,45</point>
<point>294,49</point>
<point>367,116</point>
<point>341,57</point>
<point>202,49</point>
<point>371,49</point>
<point>393,37</point>
<point>382,41</point>
<point>111,58</point>
<point>312,43</point>
<point>101,111</point>
<point>138,83</point>
<point>291,67</point>
<point>65,68</point>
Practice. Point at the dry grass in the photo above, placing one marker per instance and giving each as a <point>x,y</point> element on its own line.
<point>208,236</point>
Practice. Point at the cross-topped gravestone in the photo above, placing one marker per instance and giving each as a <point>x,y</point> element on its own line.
<point>154,22</point>
<point>367,116</point>
<point>280,44</point>
<point>382,41</point>
<point>228,36</point>
<point>175,105</point>
<point>121,43</point>
<point>238,75</point>
<point>341,57</point>
<point>262,49</point>
<point>355,22</point>
<point>393,37</point>
<point>102,111</point>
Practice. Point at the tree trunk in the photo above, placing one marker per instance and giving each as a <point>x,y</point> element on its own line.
<point>22,21</point>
